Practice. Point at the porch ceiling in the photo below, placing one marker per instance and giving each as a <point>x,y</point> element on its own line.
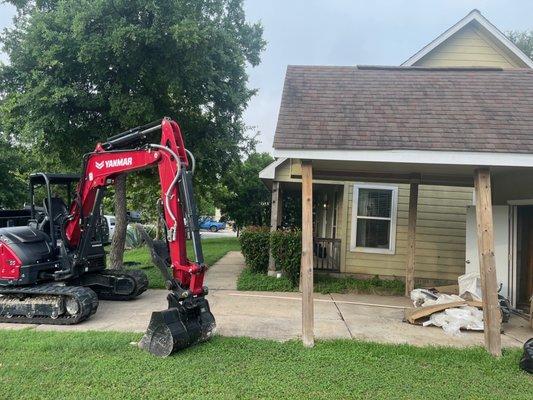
<point>423,173</point>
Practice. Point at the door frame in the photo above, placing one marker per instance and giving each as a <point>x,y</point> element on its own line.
<point>513,240</point>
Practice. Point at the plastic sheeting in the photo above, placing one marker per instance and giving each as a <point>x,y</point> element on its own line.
<point>452,320</point>
<point>470,286</point>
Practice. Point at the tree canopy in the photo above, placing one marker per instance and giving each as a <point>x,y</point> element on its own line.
<point>522,40</point>
<point>243,197</point>
<point>82,70</point>
<point>13,182</point>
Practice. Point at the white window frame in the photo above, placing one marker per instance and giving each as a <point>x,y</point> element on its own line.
<point>393,219</point>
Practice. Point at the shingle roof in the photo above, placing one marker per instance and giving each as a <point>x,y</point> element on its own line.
<point>408,108</point>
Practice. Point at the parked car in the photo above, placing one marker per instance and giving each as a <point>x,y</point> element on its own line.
<point>134,216</point>
<point>212,225</point>
<point>110,220</point>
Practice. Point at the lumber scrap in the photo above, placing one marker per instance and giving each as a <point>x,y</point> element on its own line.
<point>416,315</point>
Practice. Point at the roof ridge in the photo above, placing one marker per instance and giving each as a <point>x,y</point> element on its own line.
<point>409,68</point>
<point>417,68</point>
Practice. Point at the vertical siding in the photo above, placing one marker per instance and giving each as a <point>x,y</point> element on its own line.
<point>440,238</point>
<point>470,47</point>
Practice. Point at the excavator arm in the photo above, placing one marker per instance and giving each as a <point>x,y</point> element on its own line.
<point>188,319</point>
<point>170,157</point>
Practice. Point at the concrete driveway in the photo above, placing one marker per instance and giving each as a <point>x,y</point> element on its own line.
<point>277,316</point>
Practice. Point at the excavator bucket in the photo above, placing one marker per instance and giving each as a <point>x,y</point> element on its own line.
<point>178,327</point>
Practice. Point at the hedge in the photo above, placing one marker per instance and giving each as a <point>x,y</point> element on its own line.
<point>286,248</point>
<point>255,247</point>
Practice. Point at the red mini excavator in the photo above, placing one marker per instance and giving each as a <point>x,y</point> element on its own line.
<point>53,270</point>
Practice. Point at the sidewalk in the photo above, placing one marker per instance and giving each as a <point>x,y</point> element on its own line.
<point>224,274</point>
<point>277,316</point>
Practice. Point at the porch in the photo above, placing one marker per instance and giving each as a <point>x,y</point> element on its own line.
<point>327,209</point>
<point>328,218</point>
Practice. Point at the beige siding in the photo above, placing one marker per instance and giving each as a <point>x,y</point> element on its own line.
<point>283,172</point>
<point>440,239</point>
<point>441,232</point>
<point>472,46</point>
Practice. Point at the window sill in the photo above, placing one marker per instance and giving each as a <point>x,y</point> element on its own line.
<point>372,250</point>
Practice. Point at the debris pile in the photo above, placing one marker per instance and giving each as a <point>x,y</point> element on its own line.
<point>451,312</point>
<point>452,320</point>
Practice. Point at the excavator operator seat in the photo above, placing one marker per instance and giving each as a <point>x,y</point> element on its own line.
<point>55,213</point>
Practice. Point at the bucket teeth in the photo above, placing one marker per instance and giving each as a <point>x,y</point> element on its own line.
<point>177,328</point>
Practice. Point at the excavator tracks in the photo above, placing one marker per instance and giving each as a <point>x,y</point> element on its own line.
<point>49,303</point>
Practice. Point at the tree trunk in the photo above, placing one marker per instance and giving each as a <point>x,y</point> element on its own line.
<point>116,254</point>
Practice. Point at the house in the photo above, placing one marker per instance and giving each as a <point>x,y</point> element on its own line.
<point>394,153</point>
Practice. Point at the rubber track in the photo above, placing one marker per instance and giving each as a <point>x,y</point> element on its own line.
<point>139,277</point>
<point>86,297</point>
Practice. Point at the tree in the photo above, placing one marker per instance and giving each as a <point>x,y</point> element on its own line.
<point>522,40</point>
<point>13,185</point>
<point>81,70</point>
<point>243,197</point>
<point>116,254</point>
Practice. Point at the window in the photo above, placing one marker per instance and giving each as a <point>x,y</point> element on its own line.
<point>374,218</point>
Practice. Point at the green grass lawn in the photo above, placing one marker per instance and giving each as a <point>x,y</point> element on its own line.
<point>251,281</point>
<point>103,365</point>
<point>214,249</point>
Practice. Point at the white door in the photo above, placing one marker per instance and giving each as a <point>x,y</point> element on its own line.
<point>500,216</point>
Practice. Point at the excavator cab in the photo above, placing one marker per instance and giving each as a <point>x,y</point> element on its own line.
<point>49,196</point>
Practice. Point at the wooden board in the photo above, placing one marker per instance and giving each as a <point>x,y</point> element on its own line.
<point>416,315</point>
<point>306,267</point>
<point>487,261</point>
<point>531,313</point>
<point>411,240</point>
<point>275,221</point>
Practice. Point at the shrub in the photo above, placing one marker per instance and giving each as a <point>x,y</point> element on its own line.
<point>255,247</point>
<point>287,250</point>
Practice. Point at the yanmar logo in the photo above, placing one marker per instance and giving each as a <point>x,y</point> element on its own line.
<point>118,162</point>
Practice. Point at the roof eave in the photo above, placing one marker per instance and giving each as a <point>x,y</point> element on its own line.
<point>269,172</point>
<point>435,157</point>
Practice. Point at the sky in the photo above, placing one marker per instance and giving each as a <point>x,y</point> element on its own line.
<point>346,32</point>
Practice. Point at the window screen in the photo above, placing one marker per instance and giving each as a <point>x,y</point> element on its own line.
<point>373,217</point>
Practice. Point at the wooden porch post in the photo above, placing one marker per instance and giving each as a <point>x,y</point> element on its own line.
<point>411,240</point>
<point>275,221</point>
<point>306,266</point>
<point>487,263</point>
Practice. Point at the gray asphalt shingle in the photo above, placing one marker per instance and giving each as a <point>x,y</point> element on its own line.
<point>358,108</point>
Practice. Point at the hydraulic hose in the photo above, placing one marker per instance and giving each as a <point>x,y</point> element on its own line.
<point>168,193</point>
<point>193,161</point>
